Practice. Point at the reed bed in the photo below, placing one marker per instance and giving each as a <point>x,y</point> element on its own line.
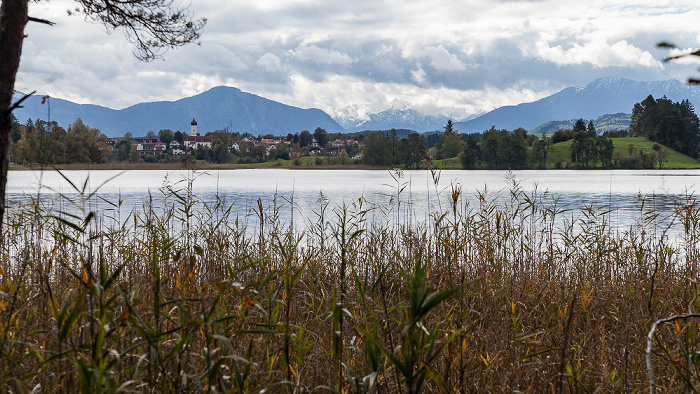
<point>492,297</point>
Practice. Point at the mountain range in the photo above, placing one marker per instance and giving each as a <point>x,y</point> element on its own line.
<point>609,122</point>
<point>230,108</point>
<point>607,95</point>
<point>398,116</point>
<point>216,109</point>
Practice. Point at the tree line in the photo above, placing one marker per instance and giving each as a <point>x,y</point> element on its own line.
<point>47,142</point>
<point>669,124</point>
<point>674,125</point>
<point>41,142</point>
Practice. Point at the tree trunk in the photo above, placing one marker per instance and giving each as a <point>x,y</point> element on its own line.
<point>13,18</point>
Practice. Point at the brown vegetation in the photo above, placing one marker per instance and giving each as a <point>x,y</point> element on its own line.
<point>491,298</point>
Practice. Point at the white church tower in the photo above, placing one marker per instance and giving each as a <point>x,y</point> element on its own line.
<point>194,127</point>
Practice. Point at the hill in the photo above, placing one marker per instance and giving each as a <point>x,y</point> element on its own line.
<point>560,152</point>
<point>605,123</point>
<point>215,109</point>
<point>603,96</point>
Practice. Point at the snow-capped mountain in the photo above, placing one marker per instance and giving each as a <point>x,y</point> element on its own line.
<point>399,116</point>
<point>608,95</point>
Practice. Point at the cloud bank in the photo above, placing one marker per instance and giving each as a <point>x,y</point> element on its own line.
<point>354,58</point>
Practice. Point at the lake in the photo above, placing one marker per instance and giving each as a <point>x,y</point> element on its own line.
<point>400,197</point>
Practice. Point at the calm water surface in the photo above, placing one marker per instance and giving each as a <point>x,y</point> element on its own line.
<point>412,196</point>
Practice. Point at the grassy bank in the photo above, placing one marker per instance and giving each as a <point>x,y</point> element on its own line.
<point>485,298</point>
<point>560,153</point>
<point>558,156</point>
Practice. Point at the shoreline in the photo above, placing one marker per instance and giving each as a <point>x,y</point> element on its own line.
<point>233,167</point>
<point>198,166</point>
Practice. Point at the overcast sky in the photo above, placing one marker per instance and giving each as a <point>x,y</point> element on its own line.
<point>450,57</point>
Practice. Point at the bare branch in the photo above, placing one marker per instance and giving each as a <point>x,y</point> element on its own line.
<point>152,26</point>
<point>39,20</point>
<point>19,102</point>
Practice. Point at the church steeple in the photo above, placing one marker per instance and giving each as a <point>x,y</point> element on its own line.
<point>194,127</point>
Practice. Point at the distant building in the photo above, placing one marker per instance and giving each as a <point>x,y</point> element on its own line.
<point>144,140</point>
<point>271,141</point>
<point>192,142</point>
<point>177,148</point>
<point>194,128</point>
<point>152,148</point>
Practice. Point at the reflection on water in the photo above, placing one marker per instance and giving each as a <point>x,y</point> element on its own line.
<point>406,197</point>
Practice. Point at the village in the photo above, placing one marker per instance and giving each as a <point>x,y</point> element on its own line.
<point>245,146</point>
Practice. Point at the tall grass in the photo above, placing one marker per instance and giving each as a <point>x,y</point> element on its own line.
<point>491,297</point>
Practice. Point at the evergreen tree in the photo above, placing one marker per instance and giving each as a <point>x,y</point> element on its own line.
<point>412,150</point>
<point>469,157</point>
<point>15,129</point>
<point>449,127</point>
<point>393,140</point>
<point>672,124</point>
<point>590,128</point>
<point>376,152</point>
<point>450,144</point>
<point>503,150</point>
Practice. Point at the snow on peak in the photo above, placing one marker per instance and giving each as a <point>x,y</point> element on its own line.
<point>399,105</point>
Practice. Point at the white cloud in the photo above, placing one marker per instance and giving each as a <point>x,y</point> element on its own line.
<point>419,75</point>
<point>312,53</point>
<point>440,55</point>
<point>356,97</point>
<point>442,59</point>
<point>598,53</point>
<point>682,56</point>
<point>270,62</point>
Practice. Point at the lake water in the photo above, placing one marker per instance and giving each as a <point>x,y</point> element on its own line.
<point>405,197</point>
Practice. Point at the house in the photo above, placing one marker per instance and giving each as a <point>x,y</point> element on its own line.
<point>271,141</point>
<point>152,148</point>
<point>144,140</point>
<point>177,148</point>
<point>112,142</point>
<point>192,142</point>
<point>337,144</point>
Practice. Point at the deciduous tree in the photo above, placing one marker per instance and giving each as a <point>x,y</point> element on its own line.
<point>86,144</point>
<point>166,136</point>
<point>179,137</point>
<point>305,138</point>
<point>321,137</point>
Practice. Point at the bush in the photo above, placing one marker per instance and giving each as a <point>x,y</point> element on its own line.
<point>562,136</point>
<point>630,162</point>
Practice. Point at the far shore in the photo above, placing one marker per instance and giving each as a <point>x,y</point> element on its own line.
<point>451,164</point>
<point>199,166</point>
